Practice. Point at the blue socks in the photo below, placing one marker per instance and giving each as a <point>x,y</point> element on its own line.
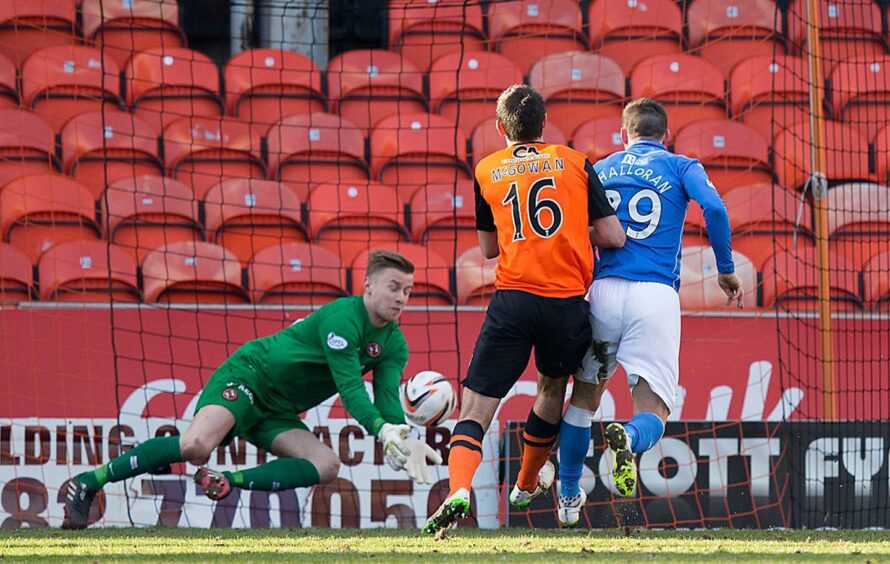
<point>644,431</point>
<point>574,443</point>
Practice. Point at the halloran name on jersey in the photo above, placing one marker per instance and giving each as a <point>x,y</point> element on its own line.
<point>533,164</point>
<point>641,172</point>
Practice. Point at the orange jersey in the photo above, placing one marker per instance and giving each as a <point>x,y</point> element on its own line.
<point>540,198</point>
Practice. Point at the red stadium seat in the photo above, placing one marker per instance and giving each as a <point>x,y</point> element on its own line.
<point>432,276</point>
<point>859,221</point>
<point>42,210</point>
<point>305,150</point>
<point>103,146</point>
<point>123,28</point>
<point>296,273</point>
<point>464,86</point>
<point>165,84</point>
<point>367,85</point>
<point>9,93</point>
<point>598,138</point>
<point>349,218</point>
<point>265,85</point>
<point>27,145</point>
<point>698,280</point>
<point>202,151</point>
<point>423,30</point>
<point>443,218</point>
<point>578,87</point>
<point>526,30</point>
<point>770,93</point>
<point>189,272</point>
<point>845,148</point>
<point>475,276</point>
<point>860,93</point>
<point>630,31</point>
<point>146,212</point>
<point>881,142</point>
<point>732,153</point>
<point>245,215</point>
<point>88,271</point>
<point>876,276</point>
<point>725,33</point>
<point>791,278</point>
<point>16,275</point>
<point>690,88</point>
<point>29,25</point>
<point>486,139</point>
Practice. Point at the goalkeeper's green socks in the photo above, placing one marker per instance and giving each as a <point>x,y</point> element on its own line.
<point>281,474</point>
<point>148,456</point>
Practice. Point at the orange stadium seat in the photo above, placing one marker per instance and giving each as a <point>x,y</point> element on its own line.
<point>859,220</point>
<point>770,93</point>
<point>123,28</point>
<point>578,87</point>
<point>486,139</point>
<point>27,145</point>
<point>732,153</point>
<point>16,275</point>
<point>305,150</point>
<point>9,93</point>
<point>876,277</point>
<point>725,33</point>
<point>475,277</point>
<point>424,30</point>
<point>367,85</point>
<point>88,271</point>
<point>860,93</point>
<point>690,88</point>
<point>791,278</point>
<point>42,210</point>
<point>630,31</point>
<point>464,87</point>
<point>351,217</point>
<point>443,218</point>
<point>265,85</point>
<point>698,279</point>
<point>143,213</point>
<point>189,272</point>
<point>526,30</point>
<point>202,151</point>
<point>29,25</point>
<point>598,138</point>
<point>413,150</point>
<point>165,84</point>
<point>103,146</point>
<point>245,215</point>
<point>62,81</point>
<point>296,273</point>
<point>846,154</point>
<point>432,276</point>
<point>695,233</point>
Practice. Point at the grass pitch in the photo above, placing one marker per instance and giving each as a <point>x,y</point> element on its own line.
<point>386,545</point>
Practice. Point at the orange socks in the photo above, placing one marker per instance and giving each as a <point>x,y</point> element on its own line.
<point>538,439</point>
<point>465,455</point>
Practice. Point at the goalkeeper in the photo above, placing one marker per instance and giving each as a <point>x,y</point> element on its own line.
<point>258,392</point>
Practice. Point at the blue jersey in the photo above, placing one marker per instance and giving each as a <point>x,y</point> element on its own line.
<point>650,189</point>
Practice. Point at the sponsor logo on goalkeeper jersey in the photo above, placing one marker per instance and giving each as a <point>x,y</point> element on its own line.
<point>336,342</point>
<point>373,350</point>
<point>230,394</point>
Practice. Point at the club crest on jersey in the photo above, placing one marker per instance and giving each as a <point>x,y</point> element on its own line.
<point>336,342</point>
<point>230,394</point>
<point>373,350</point>
<point>521,151</point>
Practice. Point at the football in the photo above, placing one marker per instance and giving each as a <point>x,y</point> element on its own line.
<point>427,399</point>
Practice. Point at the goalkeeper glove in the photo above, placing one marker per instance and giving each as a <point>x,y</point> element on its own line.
<point>416,464</point>
<point>394,449</point>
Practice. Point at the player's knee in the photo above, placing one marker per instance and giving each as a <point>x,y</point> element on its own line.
<point>328,466</point>
<point>196,450</point>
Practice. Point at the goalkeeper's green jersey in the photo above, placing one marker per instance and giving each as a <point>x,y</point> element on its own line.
<point>327,353</point>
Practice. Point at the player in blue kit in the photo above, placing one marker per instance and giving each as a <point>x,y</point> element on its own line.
<point>634,300</point>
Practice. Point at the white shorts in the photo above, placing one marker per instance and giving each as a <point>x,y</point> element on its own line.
<point>636,324</point>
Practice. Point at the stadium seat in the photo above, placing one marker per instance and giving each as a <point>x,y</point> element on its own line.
<point>845,150</point>
<point>732,153</point>
<point>165,84</point>
<point>698,280</point>
<point>424,30</point>
<point>770,93</point>
<point>413,150</point>
<point>859,220</point>
<point>203,151</point>
<point>88,271</point>
<point>464,86</point>
<point>265,85</point>
<point>725,33</point>
<point>351,217</point>
<point>42,210</point>
<point>443,218</point>
<point>881,144</point>
<point>876,277</point>
<point>123,28</point>
<point>598,138</point>
<point>578,87</point>
<point>245,215</point>
<point>367,85</point>
<point>16,275</point>
<point>486,139</point>
<point>29,25</point>
<point>27,145</point>
<point>190,272</point>
<point>791,278</point>
<point>305,150</point>
<point>690,88</point>
<point>296,273</point>
<point>860,93</point>
<point>9,93</point>
<point>103,146</point>
<point>526,30</point>
<point>432,276</point>
<point>62,81</point>
<point>475,276</point>
<point>630,31</point>
<point>143,213</point>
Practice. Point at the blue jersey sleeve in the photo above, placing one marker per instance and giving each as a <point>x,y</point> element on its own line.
<point>702,190</point>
